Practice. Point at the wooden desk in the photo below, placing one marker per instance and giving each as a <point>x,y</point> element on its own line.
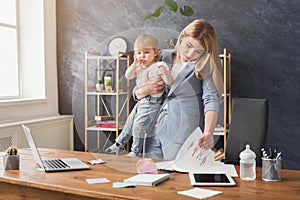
<point>29,183</point>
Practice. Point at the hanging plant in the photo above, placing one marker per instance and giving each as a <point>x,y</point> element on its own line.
<point>172,6</point>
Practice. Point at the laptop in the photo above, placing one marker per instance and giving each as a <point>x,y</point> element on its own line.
<point>56,164</point>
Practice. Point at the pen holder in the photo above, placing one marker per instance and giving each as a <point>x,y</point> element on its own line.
<point>271,169</point>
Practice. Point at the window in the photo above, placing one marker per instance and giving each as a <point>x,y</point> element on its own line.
<point>9,72</point>
<point>30,91</point>
<point>22,73</point>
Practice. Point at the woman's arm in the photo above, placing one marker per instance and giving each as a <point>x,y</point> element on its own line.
<point>207,141</point>
<point>211,109</point>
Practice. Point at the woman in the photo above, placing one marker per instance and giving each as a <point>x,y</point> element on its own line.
<point>193,99</point>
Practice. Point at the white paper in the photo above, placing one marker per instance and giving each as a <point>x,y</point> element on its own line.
<point>165,165</point>
<point>97,180</point>
<point>191,158</point>
<point>220,167</point>
<point>190,154</point>
<point>199,193</point>
<point>98,161</point>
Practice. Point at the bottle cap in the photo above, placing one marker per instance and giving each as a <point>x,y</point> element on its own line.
<point>247,153</point>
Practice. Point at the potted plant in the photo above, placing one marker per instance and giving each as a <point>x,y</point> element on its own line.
<point>108,85</point>
<point>99,84</point>
<point>11,160</point>
<point>107,82</point>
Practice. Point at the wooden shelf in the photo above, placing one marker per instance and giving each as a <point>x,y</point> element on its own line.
<point>121,104</point>
<point>226,64</point>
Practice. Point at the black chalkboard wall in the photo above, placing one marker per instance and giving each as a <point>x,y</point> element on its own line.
<point>262,35</point>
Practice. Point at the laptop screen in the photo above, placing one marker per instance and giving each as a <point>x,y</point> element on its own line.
<point>32,146</point>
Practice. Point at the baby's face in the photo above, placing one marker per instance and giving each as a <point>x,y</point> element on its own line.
<point>145,56</point>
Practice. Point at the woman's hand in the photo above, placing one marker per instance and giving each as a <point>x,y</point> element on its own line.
<point>207,141</point>
<point>150,87</point>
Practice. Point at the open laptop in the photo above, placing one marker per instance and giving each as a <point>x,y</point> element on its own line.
<point>56,164</point>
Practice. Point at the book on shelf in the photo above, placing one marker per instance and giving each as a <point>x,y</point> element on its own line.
<point>106,122</point>
<point>106,125</point>
<point>104,118</point>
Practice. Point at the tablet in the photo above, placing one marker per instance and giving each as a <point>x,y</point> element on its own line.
<point>211,179</point>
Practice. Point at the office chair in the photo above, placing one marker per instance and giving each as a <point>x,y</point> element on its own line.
<point>249,125</point>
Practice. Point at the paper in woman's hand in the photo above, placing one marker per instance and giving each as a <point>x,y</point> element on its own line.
<point>190,156</point>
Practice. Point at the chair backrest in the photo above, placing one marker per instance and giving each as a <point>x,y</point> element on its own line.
<point>248,125</point>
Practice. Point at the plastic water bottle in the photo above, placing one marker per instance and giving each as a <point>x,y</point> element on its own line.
<point>247,164</point>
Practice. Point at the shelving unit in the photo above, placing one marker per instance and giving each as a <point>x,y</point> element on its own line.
<point>95,66</point>
<point>226,63</point>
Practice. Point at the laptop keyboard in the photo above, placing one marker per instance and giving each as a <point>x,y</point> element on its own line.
<point>55,164</point>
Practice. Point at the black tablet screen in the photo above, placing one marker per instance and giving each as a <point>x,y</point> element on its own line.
<point>211,178</point>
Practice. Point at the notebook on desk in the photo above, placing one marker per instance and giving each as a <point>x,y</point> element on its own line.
<point>147,179</point>
<point>56,164</point>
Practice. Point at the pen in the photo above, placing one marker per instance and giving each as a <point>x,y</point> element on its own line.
<point>270,153</point>
<point>278,156</point>
<point>264,153</point>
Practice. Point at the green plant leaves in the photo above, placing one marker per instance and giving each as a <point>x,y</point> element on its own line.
<point>186,11</point>
<point>156,13</point>
<point>12,150</point>
<point>172,5</point>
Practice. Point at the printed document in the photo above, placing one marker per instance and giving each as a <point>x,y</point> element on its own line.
<point>192,158</point>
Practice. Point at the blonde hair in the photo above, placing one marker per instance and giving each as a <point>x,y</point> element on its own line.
<point>209,63</point>
<point>145,41</point>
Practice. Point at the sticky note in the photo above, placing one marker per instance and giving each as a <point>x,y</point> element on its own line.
<point>122,185</point>
<point>97,180</point>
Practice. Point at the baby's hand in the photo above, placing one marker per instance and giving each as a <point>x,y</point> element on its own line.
<point>137,62</point>
<point>163,69</point>
<point>165,74</point>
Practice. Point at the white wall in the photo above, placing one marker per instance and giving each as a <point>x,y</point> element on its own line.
<point>52,132</point>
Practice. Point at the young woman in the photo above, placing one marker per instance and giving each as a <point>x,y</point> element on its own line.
<point>193,99</point>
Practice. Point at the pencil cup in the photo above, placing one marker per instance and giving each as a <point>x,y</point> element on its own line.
<point>271,169</point>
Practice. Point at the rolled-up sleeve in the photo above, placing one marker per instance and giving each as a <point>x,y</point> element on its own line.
<point>210,95</point>
<point>133,94</point>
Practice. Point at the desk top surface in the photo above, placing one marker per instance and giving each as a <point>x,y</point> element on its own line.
<point>118,168</point>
